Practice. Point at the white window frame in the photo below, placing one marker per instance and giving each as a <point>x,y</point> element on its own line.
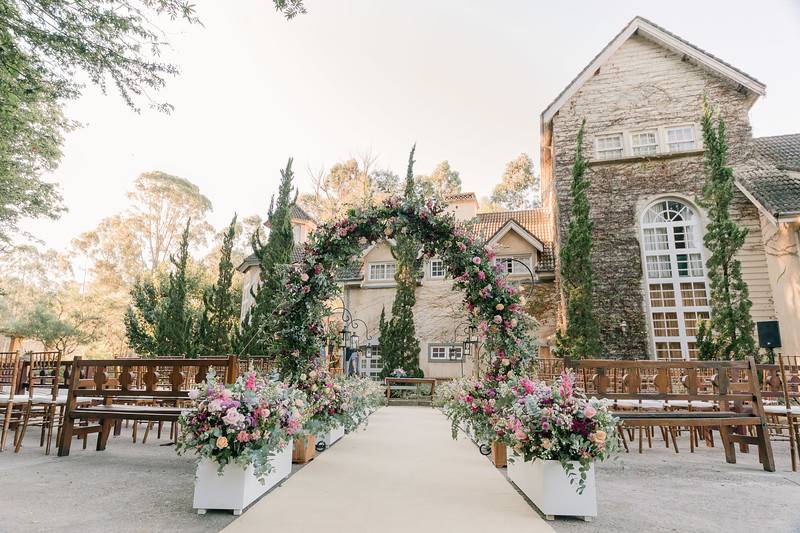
<point>667,143</point>
<point>369,368</point>
<point>654,145</point>
<point>674,279</point>
<point>439,262</point>
<point>385,265</point>
<point>515,270</point>
<point>445,350</point>
<point>603,154</point>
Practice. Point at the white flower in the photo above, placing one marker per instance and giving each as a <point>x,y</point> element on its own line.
<point>193,394</point>
<point>233,417</point>
<point>215,406</point>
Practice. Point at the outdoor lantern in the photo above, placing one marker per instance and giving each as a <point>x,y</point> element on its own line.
<point>466,348</point>
<point>472,337</point>
<point>345,336</point>
<point>354,341</point>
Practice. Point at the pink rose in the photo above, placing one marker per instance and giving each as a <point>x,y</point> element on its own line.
<point>481,275</point>
<point>476,260</point>
<point>589,411</point>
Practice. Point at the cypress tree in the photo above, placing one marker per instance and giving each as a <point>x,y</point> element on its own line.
<point>220,309</point>
<point>399,344</point>
<point>729,332</point>
<point>142,316</point>
<point>256,335</point>
<point>580,339</point>
<point>173,330</point>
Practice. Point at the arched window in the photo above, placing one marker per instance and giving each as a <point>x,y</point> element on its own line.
<point>674,267</point>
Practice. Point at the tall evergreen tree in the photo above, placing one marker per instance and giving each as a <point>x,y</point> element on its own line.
<point>142,316</point>
<point>255,336</point>
<point>399,344</point>
<point>729,333</point>
<point>174,327</point>
<point>580,339</point>
<point>220,304</point>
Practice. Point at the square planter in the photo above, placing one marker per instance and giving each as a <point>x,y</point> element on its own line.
<point>499,454</point>
<point>546,484</point>
<point>304,449</point>
<point>331,436</point>
<point>237,487</point>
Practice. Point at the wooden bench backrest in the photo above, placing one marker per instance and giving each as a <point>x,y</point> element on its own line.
<point>159,377</point>
<point>716,381</point>
<point>44,372</point>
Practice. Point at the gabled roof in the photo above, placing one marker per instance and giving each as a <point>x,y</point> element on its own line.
<point>460,197</point>
<point>771,179</point>
<point>513,225</point>
<point>299,214</point>
<point>251,260</point>
<point>644,28</point>
<point>537,222</point>
<point>782,150</point>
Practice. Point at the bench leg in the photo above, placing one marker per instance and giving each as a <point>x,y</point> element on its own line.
<point>765,449</point>
<point>727,444</point>
<point>102,437</point>
<point>66,435</point>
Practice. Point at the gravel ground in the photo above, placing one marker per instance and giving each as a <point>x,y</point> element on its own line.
<point>146,487</point>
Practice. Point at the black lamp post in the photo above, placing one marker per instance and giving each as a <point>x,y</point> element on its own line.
<point>466,346</point>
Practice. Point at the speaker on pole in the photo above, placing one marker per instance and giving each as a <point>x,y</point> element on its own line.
<point>769,337</point>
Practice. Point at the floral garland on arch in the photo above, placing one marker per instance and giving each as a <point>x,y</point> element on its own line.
<point>492,304</point>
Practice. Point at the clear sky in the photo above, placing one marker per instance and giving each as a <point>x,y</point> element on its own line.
<point>465,80</point>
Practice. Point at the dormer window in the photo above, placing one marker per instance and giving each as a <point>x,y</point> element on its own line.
<point>437,269</point>
<point>680,138</point>
<point>644,143</point>
<point>297,233</point>
<point>609,146</point>
<point>382,271</point>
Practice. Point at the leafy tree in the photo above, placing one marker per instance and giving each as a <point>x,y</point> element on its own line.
<point>580,339</point>
<point>220,314</point>
<point>399,344</point>
<point>256,334</point>
<point>45,46</point>
<point>290,8</point>
<point>174,327</point>
<point>350,183</point>
<point>56,322</point>
<point>729,333</point>
<point>519,185</point>
<point>441,182</point>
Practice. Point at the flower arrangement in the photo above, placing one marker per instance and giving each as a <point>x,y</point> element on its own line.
<point>364,396</point>
<point>476,406</point>
<point>328,404</point>
<point>556,422</point>
<point>398,373</point>
<point>245,423</point>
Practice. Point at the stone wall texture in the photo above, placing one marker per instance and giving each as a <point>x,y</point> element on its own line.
<point>645,86</point>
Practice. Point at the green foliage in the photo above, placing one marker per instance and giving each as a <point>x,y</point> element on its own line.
<point>290,8</point>
<point>399,344</point>
<point>729,333</point>
<point>44,47</point>
<point>220,314</point>
<point>518,187</point>
<point>580,339</point>
<point>257,336</point>
<point>441,182</point>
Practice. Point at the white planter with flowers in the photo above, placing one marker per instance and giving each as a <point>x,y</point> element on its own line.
<point>548,486</point>
<point>331,436</point>
<point>237,486</point>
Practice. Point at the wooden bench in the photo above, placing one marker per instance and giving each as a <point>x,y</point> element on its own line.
<point>407,384</point>
<point>732,388</point>
<point>143,389</point>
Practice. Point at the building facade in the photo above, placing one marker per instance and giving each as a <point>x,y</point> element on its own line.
<point>642,99</point>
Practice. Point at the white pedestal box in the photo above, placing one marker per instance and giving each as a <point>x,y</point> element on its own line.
<point>237,487</point>
<point>546,484</point>
<point>331,436</point>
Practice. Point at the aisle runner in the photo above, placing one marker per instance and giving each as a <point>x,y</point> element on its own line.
<point>404,474</point>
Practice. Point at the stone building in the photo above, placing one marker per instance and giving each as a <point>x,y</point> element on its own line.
<point>642,98</point>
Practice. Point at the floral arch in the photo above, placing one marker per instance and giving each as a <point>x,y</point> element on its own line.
<point>492,304</point>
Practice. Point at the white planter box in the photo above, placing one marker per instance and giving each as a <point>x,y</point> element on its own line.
<point>331,436</point>
<point>546,484</point>
<point>237,487</point>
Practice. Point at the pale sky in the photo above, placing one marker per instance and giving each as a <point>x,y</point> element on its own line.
<point>465,80</point>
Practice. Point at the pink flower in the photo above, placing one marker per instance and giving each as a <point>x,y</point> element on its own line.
<point>242,436</point>
<point>250,382</point>
<point>476,260</point>
<point>303,277</point>
<point>499,307</point>
<point>255,435</point>
<point>481,275</point>
<point>589,411</point>
<point>462,246</point>
<point>317,268</point>
<point>497,319</point>
<point>341,232</point>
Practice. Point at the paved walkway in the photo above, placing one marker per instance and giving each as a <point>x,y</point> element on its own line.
<point>404,473</point>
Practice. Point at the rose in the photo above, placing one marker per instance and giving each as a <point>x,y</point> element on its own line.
<point>215,406</point>
<point>546,444</point>
<point>598,436</point>
<point>481,275</point>
<point>388,231</point>
<point>362,241</point>
<point>233,417</point>
<point>499,307</point>
<point>497,319</point>
<point>476,260</point>
<point>462,246</point>
<point>304,277</point>
<point>589,411</point>
<point>317,268</point>
<point>222,442</point>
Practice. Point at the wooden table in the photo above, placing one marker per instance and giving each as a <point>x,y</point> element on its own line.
<point>400,381</point>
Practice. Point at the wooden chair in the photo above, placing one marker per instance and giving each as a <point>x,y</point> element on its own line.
<point>44,374</point>
<point>9,374</point>
<point>781,382</point>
